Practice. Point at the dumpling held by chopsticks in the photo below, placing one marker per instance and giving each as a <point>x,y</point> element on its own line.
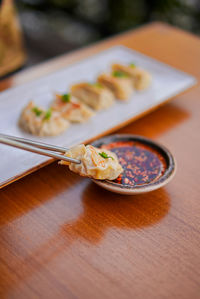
<point>95,163</point>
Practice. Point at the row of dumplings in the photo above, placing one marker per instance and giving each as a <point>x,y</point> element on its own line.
<point>83,100</point>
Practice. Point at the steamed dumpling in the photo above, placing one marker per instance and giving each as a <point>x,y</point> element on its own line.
<point>94,95</point>
<point>118,83</point>
<point>37,121</point>
<point>96,163</point>
<point>141,79</point>
<point>71,108</point>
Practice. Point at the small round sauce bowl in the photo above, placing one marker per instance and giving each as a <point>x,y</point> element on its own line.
<point>147,165</point>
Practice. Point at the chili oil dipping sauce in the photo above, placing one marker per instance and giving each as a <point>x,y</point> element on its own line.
<point>146,165</point>
<point>141,163</point>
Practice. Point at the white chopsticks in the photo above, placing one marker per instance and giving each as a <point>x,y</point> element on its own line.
<point>37,147</point>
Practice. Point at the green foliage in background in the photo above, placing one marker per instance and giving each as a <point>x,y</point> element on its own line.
<point>112,16</point>
<point>52,27</point>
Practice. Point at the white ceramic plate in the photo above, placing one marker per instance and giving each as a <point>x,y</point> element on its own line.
<point>167,82</point>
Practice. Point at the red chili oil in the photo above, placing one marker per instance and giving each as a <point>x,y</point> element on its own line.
<point>141,163</point>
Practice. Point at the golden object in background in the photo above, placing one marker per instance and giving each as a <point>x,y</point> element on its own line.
<point>12,54</point>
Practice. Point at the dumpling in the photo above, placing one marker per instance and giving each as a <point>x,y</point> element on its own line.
<point>71,108</point>
<point>94,95</point>
<point>141,79</point>
<point>118,83</point>
<point>95,163</point>
<point>37,121</point>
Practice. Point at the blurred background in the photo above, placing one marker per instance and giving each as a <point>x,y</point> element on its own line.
<point>53,27</point>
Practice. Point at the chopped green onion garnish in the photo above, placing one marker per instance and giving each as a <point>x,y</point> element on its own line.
<point>47,115</point>
<point>105,156</point>
<point>132,64</point>
<point>96,84</point>
<point>37,111</point>
<point>119,74</point>
<point>66,97</point>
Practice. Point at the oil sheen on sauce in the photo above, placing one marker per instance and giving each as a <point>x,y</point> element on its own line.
<point>141,163</point>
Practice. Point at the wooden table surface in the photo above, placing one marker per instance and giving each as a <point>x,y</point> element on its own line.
<point>61,236</point>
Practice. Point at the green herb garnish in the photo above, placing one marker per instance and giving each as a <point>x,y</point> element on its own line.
<point>37,111</point>
<point>66,98</point>
<point>105,156</point>
<point>47,115</point>
<point>119,74</point>
<point>132,64</point>
<point>96,84</point>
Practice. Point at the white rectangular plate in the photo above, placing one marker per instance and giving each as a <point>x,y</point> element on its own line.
<point>167,82</point>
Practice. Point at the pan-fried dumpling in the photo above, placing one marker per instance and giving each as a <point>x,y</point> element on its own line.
<point>95,163</point>
<point>118,83</point>
<point>71,108</point>
<point>94,95</point>
<point>141,79</point>
<point>37,121</point>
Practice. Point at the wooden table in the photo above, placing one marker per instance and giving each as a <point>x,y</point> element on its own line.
<point>61,236</point>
